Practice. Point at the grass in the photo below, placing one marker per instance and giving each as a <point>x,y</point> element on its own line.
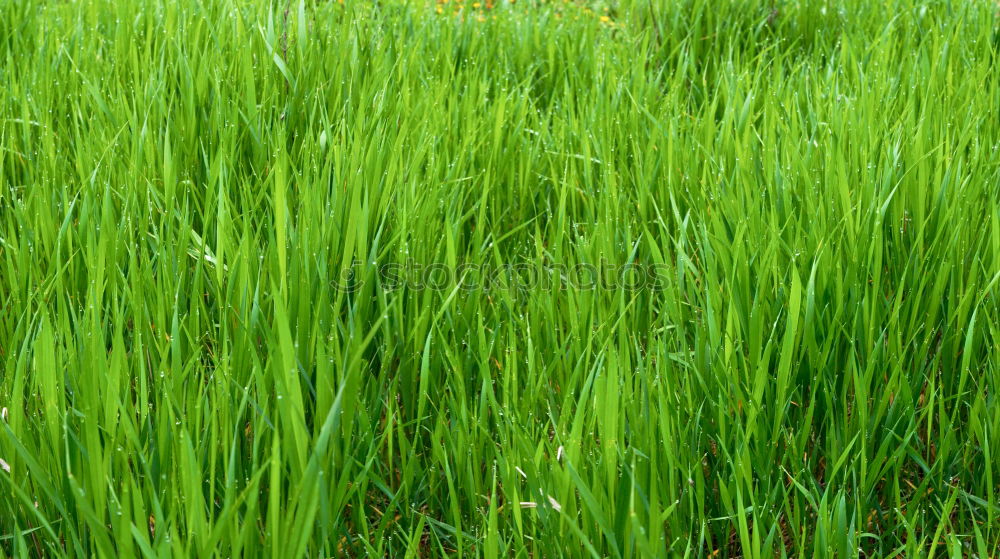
<point>304,279</point>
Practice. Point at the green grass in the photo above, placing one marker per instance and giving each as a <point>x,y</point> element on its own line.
<point>201,354</point>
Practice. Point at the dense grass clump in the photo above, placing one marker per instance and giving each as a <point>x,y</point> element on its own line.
<point>704,278</point>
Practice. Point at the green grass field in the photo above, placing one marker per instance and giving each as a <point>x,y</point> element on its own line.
<point>610,279</point>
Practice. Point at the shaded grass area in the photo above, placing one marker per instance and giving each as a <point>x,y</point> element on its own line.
<point>187,188</point>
